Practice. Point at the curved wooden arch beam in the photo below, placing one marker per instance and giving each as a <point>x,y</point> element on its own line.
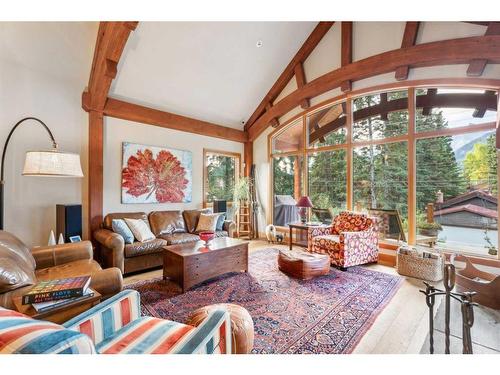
<point>447,52</point>
<point>409,39</point>
<point>476,66</point>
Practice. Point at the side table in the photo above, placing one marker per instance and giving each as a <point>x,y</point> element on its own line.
<point>300,229</point>
<point>61,314</point>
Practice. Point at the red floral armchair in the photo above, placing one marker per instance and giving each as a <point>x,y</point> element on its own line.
<point>352,239</point>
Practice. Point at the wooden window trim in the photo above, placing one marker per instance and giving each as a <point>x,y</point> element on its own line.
<point>411,137</point>
<point>206,152</point>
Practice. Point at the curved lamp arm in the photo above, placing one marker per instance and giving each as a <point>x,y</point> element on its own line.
<point>54,144</point>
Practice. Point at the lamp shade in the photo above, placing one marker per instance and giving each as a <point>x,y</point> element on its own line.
<point>52,163</point>
<point>304,202</point>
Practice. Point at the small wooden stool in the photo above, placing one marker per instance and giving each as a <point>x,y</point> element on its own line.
<point>303,265</point>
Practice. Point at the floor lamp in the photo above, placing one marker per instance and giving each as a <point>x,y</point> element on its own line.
<point>49,163</point>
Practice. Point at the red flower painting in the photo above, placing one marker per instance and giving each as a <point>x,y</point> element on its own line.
<point>163,176</point>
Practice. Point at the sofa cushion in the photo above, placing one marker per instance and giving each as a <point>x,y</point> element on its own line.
<point>108,219</point>
<point>14,252</point>
<point>220,221</point>
<point>207,222</point>
<point>140,248</point>
<point>140,229</point>
<point>147,335</point>
<point>166,222</point>
<point>191,218</point>
<point>120,227</point>
<point>221,233</point>
<point>20,334</point>
<point>178,238</point>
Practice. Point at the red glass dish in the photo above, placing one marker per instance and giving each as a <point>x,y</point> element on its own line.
<point>206,236</point>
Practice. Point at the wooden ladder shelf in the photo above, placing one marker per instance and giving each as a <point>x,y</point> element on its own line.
<point>243,221</point>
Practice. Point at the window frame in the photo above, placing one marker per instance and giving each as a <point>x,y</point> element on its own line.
<point>238,171</point>
<point>411,137</point>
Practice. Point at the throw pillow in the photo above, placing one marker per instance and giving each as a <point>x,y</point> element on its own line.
<point>220,222</point>
<point>207,223</point>
<point>120,227</point>
<point>140,230</point>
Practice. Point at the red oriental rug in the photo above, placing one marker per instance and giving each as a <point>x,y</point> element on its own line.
<point>328,314</point>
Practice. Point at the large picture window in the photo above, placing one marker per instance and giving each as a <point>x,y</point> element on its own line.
<point>426,153</point>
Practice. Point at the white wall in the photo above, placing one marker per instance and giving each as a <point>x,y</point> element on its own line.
<point>43,69</point>
<point>368,38</point>
<point>117,131</point>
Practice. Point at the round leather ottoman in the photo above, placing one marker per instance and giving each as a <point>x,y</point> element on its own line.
<point>303,265</point>
<point>241,325</point>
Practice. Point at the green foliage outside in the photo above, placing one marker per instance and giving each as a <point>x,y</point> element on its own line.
<point>380,172</point>
<point>221,177</point>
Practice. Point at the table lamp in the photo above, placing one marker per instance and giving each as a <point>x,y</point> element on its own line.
<point>303,204</point>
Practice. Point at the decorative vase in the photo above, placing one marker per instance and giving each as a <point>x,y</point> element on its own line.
<point>60,241</point>
<point>52,239</point>
<point>206,237</point>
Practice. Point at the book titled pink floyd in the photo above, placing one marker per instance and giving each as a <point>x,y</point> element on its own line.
<point>53,290</point>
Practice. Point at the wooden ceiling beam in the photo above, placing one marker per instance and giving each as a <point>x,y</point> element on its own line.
<point>300,78</point>
<point>303,53</point>
<point>476,66</point>
<point>273,122</point>
<point>134,112</point>
<point>346,52</point>
<point>446,52</point>
<point>111,40</point>
<point>409,39</point>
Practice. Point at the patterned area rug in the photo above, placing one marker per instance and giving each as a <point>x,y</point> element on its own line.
<point>328,314</point>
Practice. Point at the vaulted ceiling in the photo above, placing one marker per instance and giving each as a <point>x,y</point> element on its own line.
<point>209,71</point>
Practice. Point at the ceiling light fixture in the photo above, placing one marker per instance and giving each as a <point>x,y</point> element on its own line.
<point>259,43</point>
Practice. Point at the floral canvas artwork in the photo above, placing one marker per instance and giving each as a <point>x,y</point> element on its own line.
<point>153,174</point>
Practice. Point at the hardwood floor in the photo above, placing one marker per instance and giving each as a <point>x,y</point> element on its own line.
<point>400,328</point>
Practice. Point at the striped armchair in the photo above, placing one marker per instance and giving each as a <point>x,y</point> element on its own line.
<point>114,327</point>
<point>352,239</point>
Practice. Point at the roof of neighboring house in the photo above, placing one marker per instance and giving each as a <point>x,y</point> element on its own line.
<point>467,196</point>
<point>483,211</point>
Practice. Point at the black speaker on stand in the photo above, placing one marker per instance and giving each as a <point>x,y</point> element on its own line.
<point>69,220</point>
<point>220,205</point>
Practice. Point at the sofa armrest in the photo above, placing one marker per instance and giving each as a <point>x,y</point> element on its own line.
<point>365,241</point>
<point>104,319</point>
<point>107,282</point>
<point>212,336</point>
<point>112,248</point>
<point>50,256</point>
<point>230,227</point>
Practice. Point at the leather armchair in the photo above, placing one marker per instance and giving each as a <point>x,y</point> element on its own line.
<point>25,267</point>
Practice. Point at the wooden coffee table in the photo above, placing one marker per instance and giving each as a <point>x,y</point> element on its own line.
<point>190,264</point>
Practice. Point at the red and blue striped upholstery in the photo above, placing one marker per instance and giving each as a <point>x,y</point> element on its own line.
<point>114,326</point>
<point>20,334</point>
<point>105,319</point>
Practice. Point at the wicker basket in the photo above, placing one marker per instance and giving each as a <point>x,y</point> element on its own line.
<point>415,265</point>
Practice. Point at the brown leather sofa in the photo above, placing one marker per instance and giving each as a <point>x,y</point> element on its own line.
<point>139,256</point>
<point>20,267</point>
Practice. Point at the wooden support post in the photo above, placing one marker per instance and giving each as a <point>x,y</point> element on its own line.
<point>248,155</point>
<point>430,212</point>
<point>409,39</point>
<point>412,173</point>
<point>346,53</point>
<point>297,175</point>
<point>95,174</point>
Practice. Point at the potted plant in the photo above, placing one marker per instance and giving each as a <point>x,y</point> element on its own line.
<point>429,229</point>
<point>492,249</point>
<point>241,191</point>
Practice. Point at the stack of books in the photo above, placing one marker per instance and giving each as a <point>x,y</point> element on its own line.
<point>48,295</point>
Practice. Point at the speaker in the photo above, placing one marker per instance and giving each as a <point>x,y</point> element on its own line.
<point>69,220</point>
<point>220,205</point>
